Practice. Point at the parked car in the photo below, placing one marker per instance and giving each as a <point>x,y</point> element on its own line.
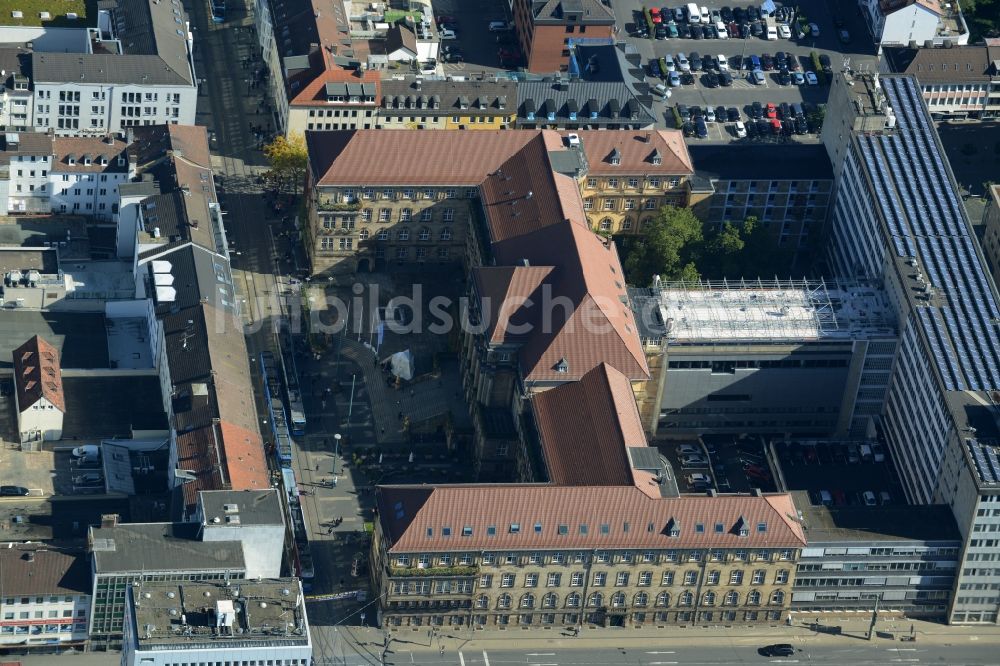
<point>733,114</point>
<point>721,62</point>
<point>756,111</point>
<point>445,18</point>
<point>784,78</point>
<point>683,62</point>
<point>844,36</point>
<point>13,491</point>
<point>814,30</point>
<point>699,478</point>
<point>740,130</point>
<point>692,460</point>
<point>798,79</point>
<point>500,26</point>
<point>885,498</point>
<point>710,80</point>
<point>690,449</point>
<point>869,498</point>
<point>811,78</point>
<point>695,61</point>
<point>825,63</point>
<point>778,650</point>
<point>683,111</point>
<point>660,91</point>
<point>709,114</point>
<point>446,33</point>
<point>725,78</point>
<point>674,79</point>
<point>772,33</point>
<point>784,32</point>
<point>767,62</point>
<point>757,77</point>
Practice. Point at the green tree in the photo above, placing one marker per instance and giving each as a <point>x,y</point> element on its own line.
<point>724,253</point>
<point>669,246</point>
<point>288,159</point>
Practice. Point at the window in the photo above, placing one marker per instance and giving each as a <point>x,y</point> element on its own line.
<point>708,599</point>
<point>758,577</point>
<point>445,236</point>
<point>600,579</point>
<point>596,600</point>
<point>712,578</point>
<point>426,215</point>
<point>366,215</point>
<point>618,600</point>
<point>573,600</point>
<point>686,599</point>
<point>404,234</point>
<point>591,182</point>
<point>406,215</point>
<point>482,601</point>
<point>527,601</point>
<point>549,600</point>
<point>645,578</point>
<point>383,234</point>
<point>732,598</point>
<point>553,580</point>
<point>576,579</point>
<point>663,599</point>
<point>588,204</point>
<point>621,580</point>
<point>781,576</point>
<point>613,183</point>
<point>633,182</point>
<point>630,204</point>
<point>425,235</point>
<point>667,578</point>
<point>503,601</point>
<point>601,556</point>
<point>531,580</point>
<point>736,577</point>
<point>507,580</point>
<point>753,598</point>
<point>383,215</point>
<point>486,581</point>
<point>777,598</point>
<point>606,224</point>
<point>690,577</point>
<point>448,215</point>
<point>609,204</point>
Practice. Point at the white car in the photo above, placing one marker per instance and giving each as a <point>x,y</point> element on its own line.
<point>706,16</point>
<point>740,130</point>
<point>694,461</point>
<point>709,114</point>
<point>573,139</point>
<point>811,78</point>
<point>699,479</point>
<point>720,29</point>
<point>814,30</point>
<point>690,450</point>
<point>445,33</point>
<point>784,31</point>
<point>499,26</point>
<point>772,33</point>
<point>723,62</point>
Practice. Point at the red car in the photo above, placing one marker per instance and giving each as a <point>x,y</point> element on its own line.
<point>654,13</point>
<point>775,125</point>
<point>445,18</point>
<point>770,111</point>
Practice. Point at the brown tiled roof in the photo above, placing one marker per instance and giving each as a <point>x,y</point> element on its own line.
<point>636,149</point>
<point>315,91</point>
<point>502,290</point>
<point>940,65</point>
<point>404,157</point>
<point>243,451</point>
<point>33,570</point>
<point>598,327</point>
<point>199,453</point>
<point>586,427</point>
<point>37,374</point>
<point>413,519</point>
<point>152,142</point>
<point>524,193</point>
<point>78,147</point>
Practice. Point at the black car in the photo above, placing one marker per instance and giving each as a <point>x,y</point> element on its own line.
<point>695,60</point>
<point>757,28</point>
<point>683,31</point>
<point>725,78</point>
<point>733,114</point>
<point>778,650</point>
<point>739,14</point>
<point>13,491</point>
<point>700,127</point>
<point>727,14</point>
<point>766,62</point>
<point>793,63</point>
<point>781,60</point>
<point>784,78</point>
<point>696,32</point>
<point>687,78</point>
<point>710,80</point>
<point>688,128</point>
<point>720,113</point>
<point>751,128</point>
<point>708,31</point>
<point>824,61</point>
<point>756,111</point>
<point>696,112</point>
<point>801,126</point>
<point>683,111</point>
<point>786,111</point>
<point>763,126</point>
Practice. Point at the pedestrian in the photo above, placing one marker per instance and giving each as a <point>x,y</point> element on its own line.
<point>442,649</point>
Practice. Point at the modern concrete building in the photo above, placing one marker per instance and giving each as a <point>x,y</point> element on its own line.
<point>897,22</point>
<point>540,555</point>
<point>545,28</point>
<point>766,356</point>
<point>134,68</point>
<point>605,88</point>
<point>46,598</point>
<point>215,622</point>
<point>788,189</point>
<point>991,237</point>
<point>959,82</point>
<point>416,103</point>
<point>898,218</point>
<point>254,518</point>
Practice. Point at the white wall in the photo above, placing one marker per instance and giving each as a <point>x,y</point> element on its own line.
<point>29,178</point>
<point>110,108</point>
<point>85,193</point>
<point>18,629</point>
<point>40,418</point>
<point>912,23</point>
<point>262,545</point>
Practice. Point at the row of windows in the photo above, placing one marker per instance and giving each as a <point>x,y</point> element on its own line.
<point>35,629</point>
<point>404,254</point>
<point>600,556</point>
<point>644,579</point>
<point>627,204</point>
<point>638,600</point>
<point>26,615</point>
<point>371,194</point>
<point>633,182</point>
<point>244,662</point>
<point>572,619</point>
<point>335,113</point>
<point>9,601</point>
<point>772,186</point>
<point>728,367</point>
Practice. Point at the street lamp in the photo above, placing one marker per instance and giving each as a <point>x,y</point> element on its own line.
<point>336,452</point>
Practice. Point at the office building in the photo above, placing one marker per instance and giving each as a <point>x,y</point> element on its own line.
<point>239,623</point>
<point>417,103</point>
<point>765,356</point>
<point>336,99</point>
<point>898,217</point>
<point>134,68</point>
<point>960,82</point>
<point>545,27</point>
<point>991,236</point>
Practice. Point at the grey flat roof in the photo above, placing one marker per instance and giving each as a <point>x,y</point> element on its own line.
<point>99,407</point>
<point>80,337</point>
<point>162,547</point>
<point>254,507</point>
<point>61,518</point>
<point>875,523</point>
<point>761,162</point>
<point>104,68</point>
<point>44,260</point>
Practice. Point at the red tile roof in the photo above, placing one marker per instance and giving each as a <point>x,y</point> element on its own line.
<point>405,157</point>
<point>243,453</point>
<point>314,92</point>
<point>591,447</point>
<point>502,291</point>
<point>199,453</point>
<point>413,519</point>
<point>37,374</point>
<point>580,315</point>
<point>636,150</point>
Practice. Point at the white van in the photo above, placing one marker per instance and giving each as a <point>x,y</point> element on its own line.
<point>706,16</point>
<point>720,28</point>
<point>694,14</point>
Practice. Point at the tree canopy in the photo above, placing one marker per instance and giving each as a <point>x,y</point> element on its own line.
<point>289,159</point>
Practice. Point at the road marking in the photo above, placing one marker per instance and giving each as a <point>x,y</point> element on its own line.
<point>486,659</point>
<point>541,654</point>
<point>656,663</point>
<point>667,652</point>
<point>906,660</point>
<point>902,649</point>
<point>461,658</point>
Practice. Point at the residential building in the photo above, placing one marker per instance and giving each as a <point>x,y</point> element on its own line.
<point>401,43</point>
<point>903,558</point>
<point>605,89</point>
<point>46,598</point>
<point>27,157</point>
<point>991,236</point>
<point>16,102</point>
<point>896,22</point>
<point>213,622</point>
<point>136,69</point>
<point>630,175</point>
<point>545,28</point>
<point>759,355</point>
<point>38,391</point>
<point>440,104</point>
<point>788,190</point>
<point>255,519</point>
<point>538,555</point>
<point>898,217</point>
<point>958,82</point>
<point>336,99</point>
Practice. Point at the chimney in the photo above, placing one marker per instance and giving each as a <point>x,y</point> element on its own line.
<point>109,520</point>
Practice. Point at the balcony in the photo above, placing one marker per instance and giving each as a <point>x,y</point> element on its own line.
<point>340,207</point>
<point>404,572</point>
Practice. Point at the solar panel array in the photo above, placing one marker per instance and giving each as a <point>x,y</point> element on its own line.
<point>926,220</point>
<point>986,460</point>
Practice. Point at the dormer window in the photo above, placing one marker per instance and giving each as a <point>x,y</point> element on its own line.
<point>673,528</point>
<point>70,159</point>
<point>656,158</point>
<point>86,161</point>
<point>121,160</point>
<point>615,158</point>
<point>562,366</point>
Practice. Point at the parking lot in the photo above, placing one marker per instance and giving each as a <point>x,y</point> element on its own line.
<point>723,462</point>
<point>858,54</point>
<point>839,473</point>
<point>479,47</point>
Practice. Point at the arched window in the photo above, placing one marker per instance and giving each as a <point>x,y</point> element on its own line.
<point>708,599</point>
<point>528,600</point>
<point>663,599</point>
<point>596,600</point>
<point>573,600</point>
<point>482,601</point>
<point>686,599</point>
<point>606,224</point>
<point>549,600</point>
<point>777,597</point>
<point>753,598</point>
<point>618,600</point>
<point>503,601</point>
<point>732,598</point>
<point>641,599</point>
<point>363,234</point>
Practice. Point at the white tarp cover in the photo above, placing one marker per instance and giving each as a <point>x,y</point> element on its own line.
<point>401,364</point>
